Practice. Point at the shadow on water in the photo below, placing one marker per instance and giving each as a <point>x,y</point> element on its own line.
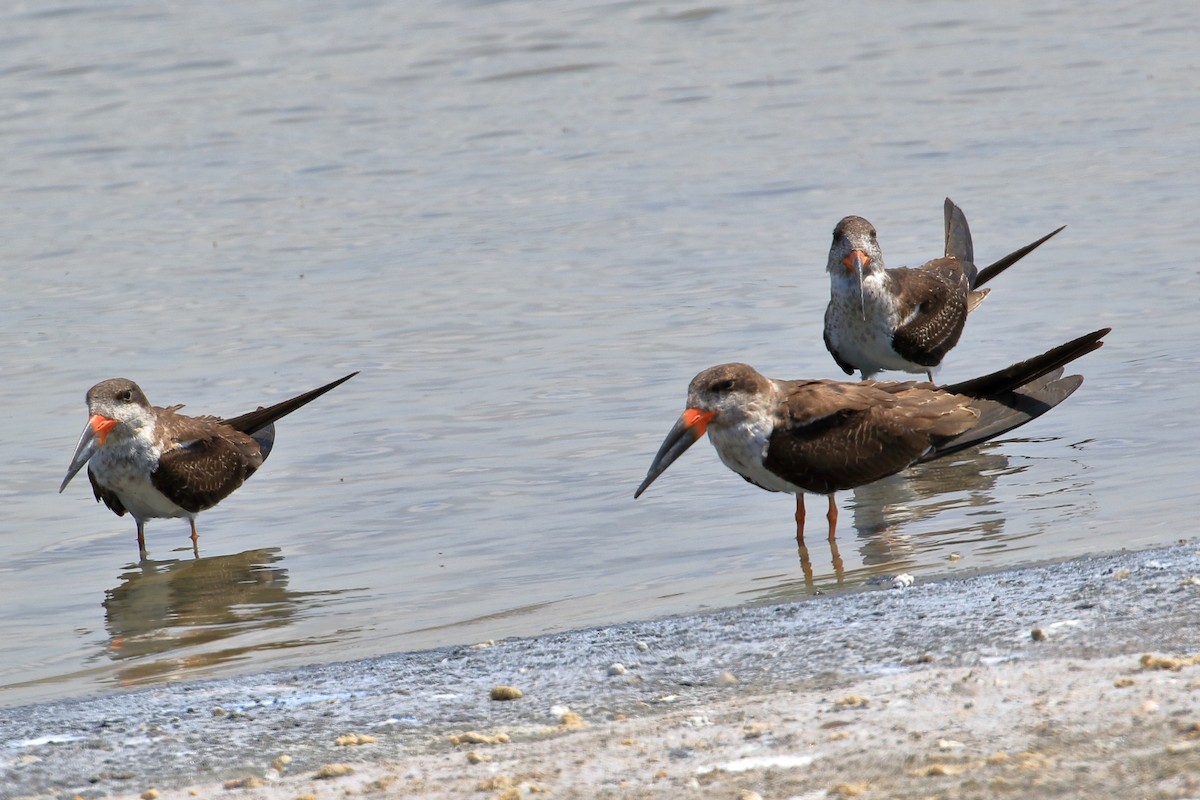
<point>164,616</point>
<point>882,513</point>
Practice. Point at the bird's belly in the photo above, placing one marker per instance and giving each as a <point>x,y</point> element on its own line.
<point>132,484</point>
<point>861,330</point>
<point>866,343</point>
<point>872,351</point>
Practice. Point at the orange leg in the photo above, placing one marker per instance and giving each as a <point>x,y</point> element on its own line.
<point>195,539</point>
<point>832,516</point>
<point>800,518</point>
<point>141,526</point>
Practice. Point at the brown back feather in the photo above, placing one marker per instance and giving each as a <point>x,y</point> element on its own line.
<point>840,435</point>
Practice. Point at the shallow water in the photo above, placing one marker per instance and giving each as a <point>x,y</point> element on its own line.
<point>529,226</point>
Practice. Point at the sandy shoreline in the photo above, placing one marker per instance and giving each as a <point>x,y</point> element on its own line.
<point>935,690</point>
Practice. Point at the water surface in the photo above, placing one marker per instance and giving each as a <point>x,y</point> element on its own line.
<point>529,225</point>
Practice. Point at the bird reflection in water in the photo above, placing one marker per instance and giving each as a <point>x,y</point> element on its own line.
<point>965,481</point>
<point>177,608</point>
<point>884,508</point>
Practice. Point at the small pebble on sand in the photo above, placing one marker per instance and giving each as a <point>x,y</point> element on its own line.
<point>353,740</point>
<point>249,782</point>
<point>755,730</point>
<point>572,721</point>
<point>940,771</point>
<point>475,737</point>
<point>1149,661</point>
<point>333,771</point>
<point>506,693</point>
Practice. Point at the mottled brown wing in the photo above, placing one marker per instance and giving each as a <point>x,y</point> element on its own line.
<point>110,499</point>
<point>936,293</point>
<point>841,435</point>
<point>207,468</point>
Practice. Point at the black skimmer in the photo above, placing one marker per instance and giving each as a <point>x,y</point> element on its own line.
<point>821,436</point>
<point>155,462</point>
<point>904,318</point>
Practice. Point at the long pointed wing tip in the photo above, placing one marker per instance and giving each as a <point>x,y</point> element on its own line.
<point>1096,338</point>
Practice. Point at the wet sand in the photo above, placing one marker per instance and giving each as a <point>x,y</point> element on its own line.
<point>1027,683</point>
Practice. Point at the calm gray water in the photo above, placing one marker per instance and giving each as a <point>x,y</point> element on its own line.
<point>529,225</point>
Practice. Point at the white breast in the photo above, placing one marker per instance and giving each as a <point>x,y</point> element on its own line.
<point>124,467</point>
<point>743,447</point>
<point>865,342</point>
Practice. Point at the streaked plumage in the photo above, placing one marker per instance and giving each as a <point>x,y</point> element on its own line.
<point>904,318</point>
<point>823,436</point>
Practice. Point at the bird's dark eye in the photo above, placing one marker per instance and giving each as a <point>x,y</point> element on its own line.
<point>723,386</point>
<point>872,234</point>
<point>125,396</point>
